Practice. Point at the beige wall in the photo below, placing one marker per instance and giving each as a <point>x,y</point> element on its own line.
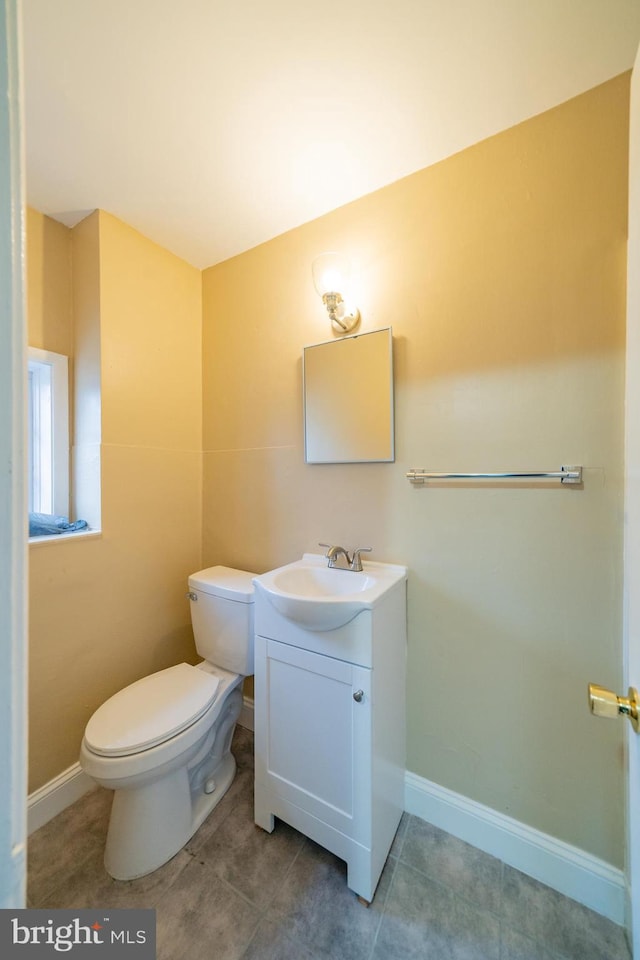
<point>108,610</point>
<point>502,272</point>
<point>87,419</point>
<point>49,291</point>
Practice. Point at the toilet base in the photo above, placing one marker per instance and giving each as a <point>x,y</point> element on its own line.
<point>149,824</point>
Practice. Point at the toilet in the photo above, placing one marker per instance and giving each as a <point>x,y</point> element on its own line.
<point>163,744</point>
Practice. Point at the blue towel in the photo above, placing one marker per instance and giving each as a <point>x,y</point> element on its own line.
<point>46,524</point>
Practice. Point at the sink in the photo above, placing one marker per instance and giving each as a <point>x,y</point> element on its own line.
<point>319,597</point>
<point>312,581</point>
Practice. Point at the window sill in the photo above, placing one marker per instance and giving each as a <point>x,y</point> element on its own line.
<point>72,535</point>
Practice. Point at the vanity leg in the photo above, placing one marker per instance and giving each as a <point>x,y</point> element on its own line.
<point>266,821</point>
<point>259,826</point>
<point>261,813</point>
<point>365,903</point>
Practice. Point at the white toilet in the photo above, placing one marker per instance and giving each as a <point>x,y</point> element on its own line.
<point>163,744</point>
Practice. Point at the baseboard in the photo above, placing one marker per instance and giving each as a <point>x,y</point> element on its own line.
<point>567,869</point>
<point>246,714</point>
<point>55,796</point>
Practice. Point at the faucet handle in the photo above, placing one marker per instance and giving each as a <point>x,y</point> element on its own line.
<point>327,545</point>
<point>356,561</point>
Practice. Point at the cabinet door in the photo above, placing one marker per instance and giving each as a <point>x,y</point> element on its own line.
<point>318,737</point>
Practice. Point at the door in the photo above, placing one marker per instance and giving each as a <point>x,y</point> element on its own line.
<point>606,703</point>
<point>13,532</point>
<point>318,736</point>
<point>632,509</point>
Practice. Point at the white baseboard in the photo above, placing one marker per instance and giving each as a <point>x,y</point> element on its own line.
<point>50,800</point>
<point>567,869</point>
<point>246,714</point>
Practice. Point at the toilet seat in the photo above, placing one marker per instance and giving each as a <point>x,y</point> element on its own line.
<point>151,711</point>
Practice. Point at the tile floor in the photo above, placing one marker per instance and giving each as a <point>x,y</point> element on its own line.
<point>236,892</point>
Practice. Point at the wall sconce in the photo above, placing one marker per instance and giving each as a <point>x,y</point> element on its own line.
<point>330,274</point>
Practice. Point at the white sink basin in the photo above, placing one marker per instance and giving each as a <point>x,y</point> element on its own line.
<point>309,582</point>
<point>319,597</point>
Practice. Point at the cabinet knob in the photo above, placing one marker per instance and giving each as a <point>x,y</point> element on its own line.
<point>358,695</point>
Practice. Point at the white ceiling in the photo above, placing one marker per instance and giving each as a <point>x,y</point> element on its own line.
<point>214,125</point>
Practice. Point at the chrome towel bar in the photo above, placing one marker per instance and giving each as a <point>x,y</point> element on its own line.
<point>564,475</point>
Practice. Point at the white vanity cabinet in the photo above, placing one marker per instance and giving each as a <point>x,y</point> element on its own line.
<point>330,730</point>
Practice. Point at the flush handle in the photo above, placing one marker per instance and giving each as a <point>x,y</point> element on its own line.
<point>607,704</point>
<point>191,596</point>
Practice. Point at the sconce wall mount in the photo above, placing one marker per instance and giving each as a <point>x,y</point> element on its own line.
<point>330,273</point>
<point>344,318</point>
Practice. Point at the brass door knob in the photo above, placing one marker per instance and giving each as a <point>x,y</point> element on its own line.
<point>605,703</point>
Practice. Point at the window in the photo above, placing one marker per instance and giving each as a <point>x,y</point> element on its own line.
<point>48,427</point>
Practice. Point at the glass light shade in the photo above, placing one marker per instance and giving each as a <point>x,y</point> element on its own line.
<point>330,273</point>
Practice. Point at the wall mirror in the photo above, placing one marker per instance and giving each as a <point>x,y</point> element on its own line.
<point>348,399</point>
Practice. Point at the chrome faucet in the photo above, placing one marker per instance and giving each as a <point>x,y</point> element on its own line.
<point>351,562</point>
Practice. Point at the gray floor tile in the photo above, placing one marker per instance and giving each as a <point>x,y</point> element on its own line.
<point>423,920</point>
<point>62,845</point>
<point>251,860</point>
<point>516,946</point>
<point>578,932</point>
<point>323,913</point>
<point>560,924</point>
<point>469,872</point>
<point>527,905</point>
<point>202,918</point>
<point>89,885</point>
<point>242,748</point>
<point>236,893</point>
<point>272,942</point>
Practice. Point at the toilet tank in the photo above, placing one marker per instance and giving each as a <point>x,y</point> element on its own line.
<point>221,601</point>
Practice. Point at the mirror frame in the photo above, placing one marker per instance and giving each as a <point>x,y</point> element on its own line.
<point>390,445</point>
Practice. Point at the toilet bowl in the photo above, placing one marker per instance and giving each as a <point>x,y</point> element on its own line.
<point>163,744</point>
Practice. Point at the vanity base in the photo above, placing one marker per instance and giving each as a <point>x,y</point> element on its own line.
<point>364,865</point>
<point>330,720</point>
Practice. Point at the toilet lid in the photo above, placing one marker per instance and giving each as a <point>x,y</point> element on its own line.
<point>151,710</point>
